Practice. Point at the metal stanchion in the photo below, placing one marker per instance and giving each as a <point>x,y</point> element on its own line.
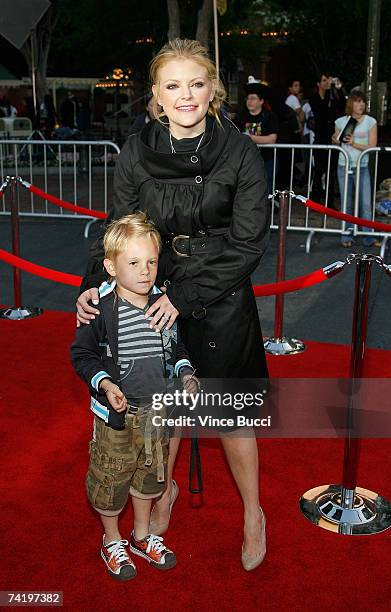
<point>346,508</point>
<point>17,311</point>
<point>279,344</point>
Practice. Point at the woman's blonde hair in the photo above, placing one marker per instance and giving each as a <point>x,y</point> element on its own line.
<point>136,225</point>
<point>184,48</point>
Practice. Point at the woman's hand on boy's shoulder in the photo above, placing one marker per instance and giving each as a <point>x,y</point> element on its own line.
<point>163,314</point>
<point>86,311</point>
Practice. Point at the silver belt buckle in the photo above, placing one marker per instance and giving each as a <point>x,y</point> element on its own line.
<point>173,245</point>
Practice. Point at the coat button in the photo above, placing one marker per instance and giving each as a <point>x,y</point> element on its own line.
<point>198,179</point>
<point>194,159</point>
<point>212,345</point>
<point>201,232</point>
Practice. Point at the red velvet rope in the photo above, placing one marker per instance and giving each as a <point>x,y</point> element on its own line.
<point>1,193</point>
<point>78,209</point>
<point>381,227</point>
<point>72,279</point>
<point>318,276</point>
<point>27,266</point>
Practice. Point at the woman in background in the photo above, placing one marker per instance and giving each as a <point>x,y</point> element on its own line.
<point>362,137</point>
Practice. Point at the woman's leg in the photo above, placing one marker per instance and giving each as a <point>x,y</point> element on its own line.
<point>242,456</point>
<point>161,509</point>
<point>365,203</point>
<point>346,238</point>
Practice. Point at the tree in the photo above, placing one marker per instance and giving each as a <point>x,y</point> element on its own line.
<point>204,21</point>
<point>41,39</point>
<point>328,36</point>
<point>204,15</point>
<point>174,26</point>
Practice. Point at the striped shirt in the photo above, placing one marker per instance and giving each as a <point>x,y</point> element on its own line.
<point>140,352</point>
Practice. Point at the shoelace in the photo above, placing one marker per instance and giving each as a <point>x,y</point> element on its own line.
<point>155,543</point>
<point>117,550</point>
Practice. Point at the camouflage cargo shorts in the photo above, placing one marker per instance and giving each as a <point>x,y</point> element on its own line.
<point>134,457</point>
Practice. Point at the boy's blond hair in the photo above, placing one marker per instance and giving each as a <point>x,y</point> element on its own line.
<point>136,225</point>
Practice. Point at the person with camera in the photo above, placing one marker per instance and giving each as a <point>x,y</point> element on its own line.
<point>355,132</point>
<point>326,105</point>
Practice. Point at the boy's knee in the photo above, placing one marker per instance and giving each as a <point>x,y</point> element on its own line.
<point>145,484</point>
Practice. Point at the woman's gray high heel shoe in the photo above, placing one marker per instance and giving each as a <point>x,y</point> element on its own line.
<point>250,562</point>
<point>159,528</point>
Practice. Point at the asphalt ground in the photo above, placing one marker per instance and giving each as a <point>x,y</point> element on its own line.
<point>320,313</point>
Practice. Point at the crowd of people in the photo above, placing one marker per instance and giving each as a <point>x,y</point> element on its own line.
<point>328,117</point>
<point>73,114</point>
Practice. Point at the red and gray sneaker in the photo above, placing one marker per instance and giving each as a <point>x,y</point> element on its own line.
<point>119,565</point>
<point>153,550</point>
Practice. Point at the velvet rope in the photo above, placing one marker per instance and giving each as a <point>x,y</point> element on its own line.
<point>27,266</point>
<point>381,227</point>
<point>72,279</point>
<point>318,276</point>
<point>78,209</point>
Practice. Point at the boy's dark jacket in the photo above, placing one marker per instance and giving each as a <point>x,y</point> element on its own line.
<point>94,353</point>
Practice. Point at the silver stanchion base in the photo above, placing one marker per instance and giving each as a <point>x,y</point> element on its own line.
<point>17,314</point>
<point>283,346</point>
<point>369,514</point>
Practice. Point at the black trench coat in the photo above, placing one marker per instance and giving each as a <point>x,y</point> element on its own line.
<point>218,195</point>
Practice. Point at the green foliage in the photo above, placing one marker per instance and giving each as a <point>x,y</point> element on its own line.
<point>93,36</point>
<point>329,35</point>
<point>241,16</point>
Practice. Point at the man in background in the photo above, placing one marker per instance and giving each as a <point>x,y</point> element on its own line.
<point>260,124</point>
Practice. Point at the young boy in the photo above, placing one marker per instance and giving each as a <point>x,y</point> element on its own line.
<point>124,363</point>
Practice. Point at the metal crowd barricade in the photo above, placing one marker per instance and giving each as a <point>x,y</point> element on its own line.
<point>298,218</point>
<point>358,231</point>
<point>79,172</point>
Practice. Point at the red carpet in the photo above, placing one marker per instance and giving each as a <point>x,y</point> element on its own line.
<point>50,538</point>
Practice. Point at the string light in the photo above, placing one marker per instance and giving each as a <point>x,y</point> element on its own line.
<point>250,33</point>
<point>117,78</point>
<point>143,41</point>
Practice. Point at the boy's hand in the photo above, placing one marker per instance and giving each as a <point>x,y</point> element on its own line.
<point>191,384</point>
<point>86,312</point>
<point>114,395</point>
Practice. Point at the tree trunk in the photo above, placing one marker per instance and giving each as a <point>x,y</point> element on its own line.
<point>174,26</point>
<point>203,26</point>
<point>43,37</point>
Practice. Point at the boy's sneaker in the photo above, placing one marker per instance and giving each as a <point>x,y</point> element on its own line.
<point>153,550</point>
<point>119,565</point>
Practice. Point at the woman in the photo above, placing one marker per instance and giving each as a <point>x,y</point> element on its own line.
<point>203,185</point>
<point>354,140</point>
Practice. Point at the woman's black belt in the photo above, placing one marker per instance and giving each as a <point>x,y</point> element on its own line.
<point>186,246</point>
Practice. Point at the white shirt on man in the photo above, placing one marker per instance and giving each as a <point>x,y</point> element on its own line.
<point>293,101</point>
